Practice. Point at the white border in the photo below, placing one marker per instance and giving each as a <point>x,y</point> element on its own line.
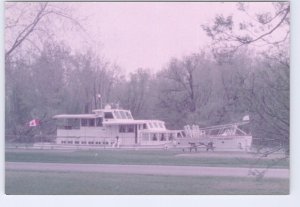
<point>190,201</point>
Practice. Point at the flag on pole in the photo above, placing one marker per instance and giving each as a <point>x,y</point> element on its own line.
<point>34,123</point>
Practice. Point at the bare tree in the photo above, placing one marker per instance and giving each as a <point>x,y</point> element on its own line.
<point>267,94</point>
<point>265,29</point>
<point>135,93</point>
<point>28,22</point>
<point>185,86</point>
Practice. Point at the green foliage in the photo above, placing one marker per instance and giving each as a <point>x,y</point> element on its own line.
<point>148,157</point>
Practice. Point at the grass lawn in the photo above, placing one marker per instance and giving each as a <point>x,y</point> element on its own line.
<point>34,182</point>
<point>140,157</point>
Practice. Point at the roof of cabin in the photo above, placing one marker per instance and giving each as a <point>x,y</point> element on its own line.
<point>152,120</point>
<point>109,110</point>
<point>159,130</point>
<point>122,121</point>
<point>70,116</point>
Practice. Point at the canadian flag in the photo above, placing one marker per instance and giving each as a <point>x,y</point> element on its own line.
<point>34,123</point>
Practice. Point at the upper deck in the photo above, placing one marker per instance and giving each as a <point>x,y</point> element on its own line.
<point>107,117</point>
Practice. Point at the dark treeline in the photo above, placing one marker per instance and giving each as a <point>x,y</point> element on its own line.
<point>192,90</point>
<point>205,88</point>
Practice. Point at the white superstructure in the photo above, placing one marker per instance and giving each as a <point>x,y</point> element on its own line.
<point>116,128</point>
<point>227,137</point>
<point>111,127</point>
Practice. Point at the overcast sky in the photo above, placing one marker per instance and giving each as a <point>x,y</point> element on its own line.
<point>147,34</point>
<point>142,34</point>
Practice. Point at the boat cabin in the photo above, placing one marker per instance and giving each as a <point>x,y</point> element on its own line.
<point>108,126</point>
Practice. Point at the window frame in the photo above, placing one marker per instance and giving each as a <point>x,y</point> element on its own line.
<point>123,114</point>
<point>83,122</point>
<point>122,128</point>
<point>92,120</point>
<point>97,122</point>
<point>150,125</point>
<point>109,117</point>
<point>117,115</point>
<point>129,116</point>
<point>161,125</point>
<point>130,128</point>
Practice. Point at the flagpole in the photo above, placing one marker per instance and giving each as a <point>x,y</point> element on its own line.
<point>100,98</point>
<point>41,138</point>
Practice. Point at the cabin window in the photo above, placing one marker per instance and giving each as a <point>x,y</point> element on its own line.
<point>74,123</point>
<point>154,137</point>
<point>126,128</point>
<point>130,128</point>
<point>67,127</point>
<point>145,136</point>
<point>83,142</point>
<point>122,128</point>
<point>108,115</point>
<point>91,122</point>
<point>163,137</point>
<point>88,122</point>
<point>170,136</point>
<point>123,114</point>
<point>150,125</point>
<point>117,115</point>
<point>99,122</point>
<point>144,126</point>
<point>68,123</point>
<point>70,142</point>
<point>76,142</point>
<point>155,125</point>
<point>90,142</point>
<point>84,122</point>
<point>63,142</point>
<point>161,125</point>
<point>128,115</point>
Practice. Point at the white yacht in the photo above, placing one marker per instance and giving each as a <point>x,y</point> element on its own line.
<point>111,127</point>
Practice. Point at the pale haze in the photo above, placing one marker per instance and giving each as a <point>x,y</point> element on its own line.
<point>146,35</point>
